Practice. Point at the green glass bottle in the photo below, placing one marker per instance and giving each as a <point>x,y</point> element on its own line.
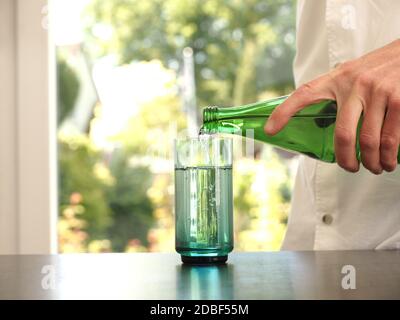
<point>310,131</point>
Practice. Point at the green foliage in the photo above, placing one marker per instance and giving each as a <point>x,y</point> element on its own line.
<point>260,206</point>
<point>77,174</point>
<point>241,48</point>
<point>151,132</point>
<point>132,208</point>
<point>67,88</point>
<point>114,203</point>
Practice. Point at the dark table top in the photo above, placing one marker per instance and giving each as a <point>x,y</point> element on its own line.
<point>274,275</point>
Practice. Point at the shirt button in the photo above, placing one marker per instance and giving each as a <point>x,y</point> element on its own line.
<point>327,219</point>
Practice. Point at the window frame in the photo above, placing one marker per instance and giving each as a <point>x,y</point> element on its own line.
<point>28,186</point>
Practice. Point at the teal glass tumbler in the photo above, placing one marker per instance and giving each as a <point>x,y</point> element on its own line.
<point>203,199</point>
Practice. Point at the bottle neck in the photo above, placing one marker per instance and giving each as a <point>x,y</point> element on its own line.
<point>260,109</point>
<point>210,114</point>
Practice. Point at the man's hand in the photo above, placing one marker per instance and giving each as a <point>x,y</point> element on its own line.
<point>368,85</point>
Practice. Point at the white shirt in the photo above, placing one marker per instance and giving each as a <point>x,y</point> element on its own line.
<point>333,209</point>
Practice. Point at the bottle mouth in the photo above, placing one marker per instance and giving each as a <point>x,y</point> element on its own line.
<point>209,114</point>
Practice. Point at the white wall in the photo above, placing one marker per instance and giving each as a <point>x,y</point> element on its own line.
<point>27,130</point>
<point>8,130</point>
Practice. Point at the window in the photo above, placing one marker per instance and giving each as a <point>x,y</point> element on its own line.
<point>134,74</point>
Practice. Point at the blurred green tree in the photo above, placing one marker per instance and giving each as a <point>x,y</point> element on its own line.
<point>241,48</point>
<point>132,208</point>
<point>67,88</point>
<point>261,208</point>
<point>152,130</point>
<point>78,162</point>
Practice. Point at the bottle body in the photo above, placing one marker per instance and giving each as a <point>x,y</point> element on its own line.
<point>309,132</point>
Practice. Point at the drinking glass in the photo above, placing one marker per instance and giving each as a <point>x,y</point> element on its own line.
<point>203,199</point>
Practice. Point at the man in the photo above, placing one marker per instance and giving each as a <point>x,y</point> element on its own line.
<point>348,51</point>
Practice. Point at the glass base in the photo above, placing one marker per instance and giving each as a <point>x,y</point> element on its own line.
<point>204,260</point>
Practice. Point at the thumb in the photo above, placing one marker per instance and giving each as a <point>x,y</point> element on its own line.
<point>309,93</point>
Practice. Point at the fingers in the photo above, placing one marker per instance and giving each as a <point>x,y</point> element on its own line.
<point>390,136</point>
<point>312,92</point>
<point>346,133</point>
<point>370,134</point>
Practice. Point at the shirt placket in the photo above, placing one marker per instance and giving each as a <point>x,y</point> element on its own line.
<point>325,181</point>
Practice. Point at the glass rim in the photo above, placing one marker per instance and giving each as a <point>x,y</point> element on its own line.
<point>203,137</point>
